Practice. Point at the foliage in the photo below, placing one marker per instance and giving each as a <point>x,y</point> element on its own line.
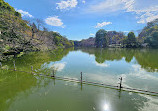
<point>131,37</point>
<point>21,36</point>
<point>5,7</point>
<point>131,41</point>
<point>149,34</point>
<point>153,39</point>
<point>58,40</point>
<point>62,41</point>
<point>101,40</point>
<point>114,37</point>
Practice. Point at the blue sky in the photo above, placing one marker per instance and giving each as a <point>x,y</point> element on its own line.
<point>80,19</point>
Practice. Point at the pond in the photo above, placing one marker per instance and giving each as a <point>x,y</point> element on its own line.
<point>21,91</point>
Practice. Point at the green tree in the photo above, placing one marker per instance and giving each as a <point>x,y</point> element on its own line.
<point>147,31</point>
<point>153,39</point>
<point>101,40</point>
<point>131,40</point>
<point>131,37</point>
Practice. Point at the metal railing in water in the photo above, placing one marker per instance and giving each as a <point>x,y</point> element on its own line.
<point>119,87</point>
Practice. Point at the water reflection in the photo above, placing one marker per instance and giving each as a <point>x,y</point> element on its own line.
<point>147,58</point>
<point>11,84</point>
<point>58,66</point>
<point>37,59</point>
<point>102,64</point>
<point>29,93</point>
<point>47,96</point>
<point>106,107</point>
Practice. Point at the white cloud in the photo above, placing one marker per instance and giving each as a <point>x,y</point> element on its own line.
<point>55,31</point>
<point>128,5</point>
<point>126,31</point>
<point>102,65</point>
<point>99,25</point>
<point>92,34</point>
<point>58,66</point>
<point>103,78</point>
<point>54,21</point>
<point>138,71</point>
<point>24,13</point>
<point>144,15</point>
<point>83,1</point>
<point>67,4</point>
<point>151,104</point>
<point>105,6</point>
<point>146,11</point>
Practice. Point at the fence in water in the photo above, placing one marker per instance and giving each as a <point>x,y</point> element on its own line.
<point>119,87</point>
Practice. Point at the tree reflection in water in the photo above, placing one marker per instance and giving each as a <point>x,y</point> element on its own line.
<point>147,58</point>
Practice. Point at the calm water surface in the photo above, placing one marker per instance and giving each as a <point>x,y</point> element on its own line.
<point>26,92</point>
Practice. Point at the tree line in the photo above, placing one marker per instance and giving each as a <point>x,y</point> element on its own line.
<point>147,38</point>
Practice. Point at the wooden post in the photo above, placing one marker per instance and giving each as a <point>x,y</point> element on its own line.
<point>120,83</point>
<point>1,65</point>
<point>53,74</point>
<point>81,77</point>
<point>81,81</point>
<point>14,66</point>
<point>32,69</point>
